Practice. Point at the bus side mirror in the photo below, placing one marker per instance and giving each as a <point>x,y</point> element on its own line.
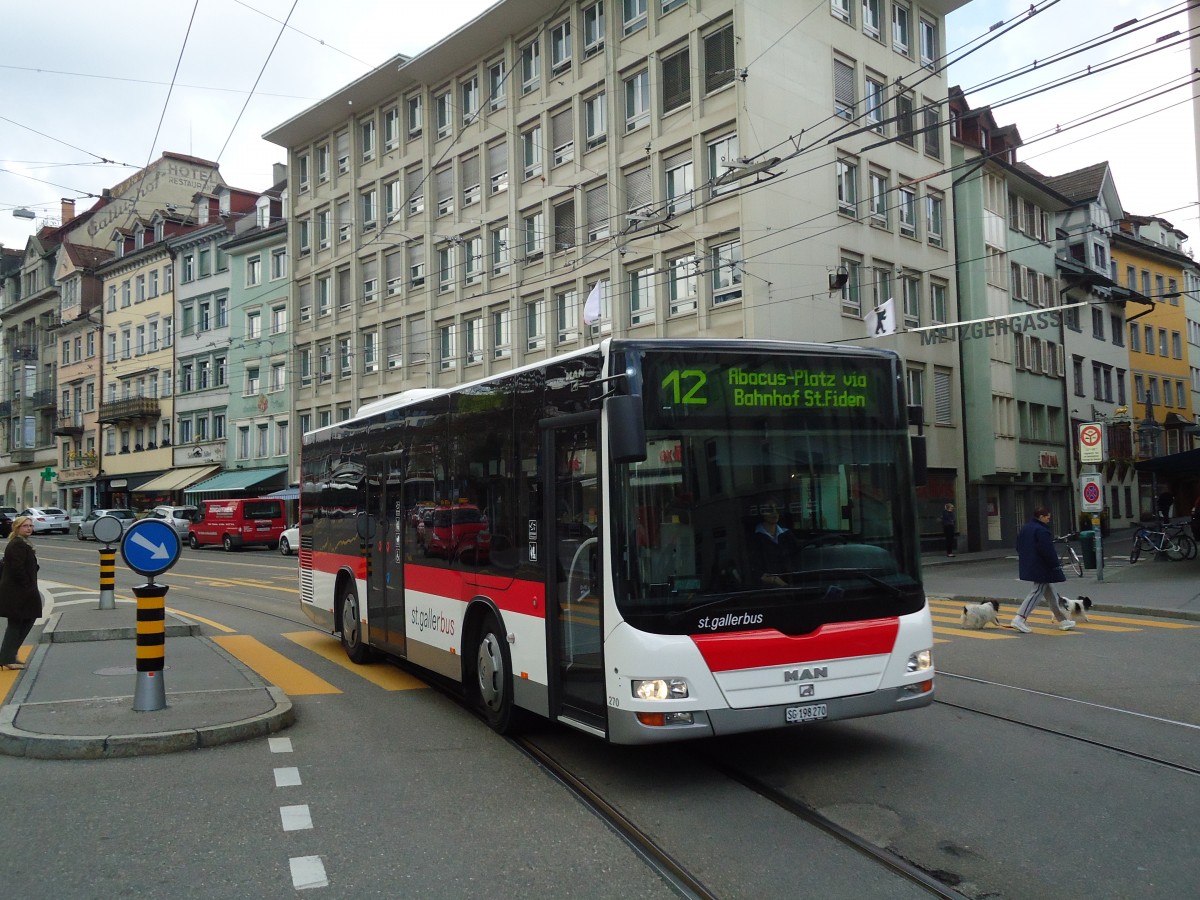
<point>920,462</point>
<point>626,428</point>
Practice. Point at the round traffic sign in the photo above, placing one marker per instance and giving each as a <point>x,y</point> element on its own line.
<point>1090,435</point>
<point>107,529</point>
<point>1091,492</point>
<point>150,546</point>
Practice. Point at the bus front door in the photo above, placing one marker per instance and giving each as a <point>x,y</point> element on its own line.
<point>385,551</point>
<point>574,573</point>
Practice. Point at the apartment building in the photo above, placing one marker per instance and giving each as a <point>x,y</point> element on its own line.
<point>1017,456</point>
<point>734,170</point>
<point>1148,257</point>
<point>34,309</point>
<point>261,358</point>
<point>80,374</point>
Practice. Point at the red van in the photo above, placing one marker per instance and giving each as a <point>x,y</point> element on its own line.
<point>238,523</point>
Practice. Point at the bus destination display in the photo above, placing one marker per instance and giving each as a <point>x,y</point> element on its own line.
<point>700,387</point>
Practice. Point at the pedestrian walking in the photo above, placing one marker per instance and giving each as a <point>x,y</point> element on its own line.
<point>1038,562</point>
<point>950,528</point>
<point>20,599</point>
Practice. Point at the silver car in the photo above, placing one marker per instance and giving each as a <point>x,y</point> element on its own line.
<point>178,517</point>
<point>87,526</point>
<point>48,518</point>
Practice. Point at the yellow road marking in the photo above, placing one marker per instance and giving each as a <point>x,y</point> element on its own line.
<point>293,679</point>
<point>990,634</point>
<point>1141,621</point>
<point>208,622</point>
<point>384,675</point>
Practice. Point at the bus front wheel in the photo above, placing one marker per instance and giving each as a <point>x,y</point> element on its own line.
<point>352,636</point>
<point>493,677</point>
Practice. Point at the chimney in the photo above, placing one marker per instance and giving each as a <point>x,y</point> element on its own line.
<point>68,210</point>
<point>278,172</point>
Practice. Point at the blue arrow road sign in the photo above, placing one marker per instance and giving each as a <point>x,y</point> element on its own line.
<point>150,546</point>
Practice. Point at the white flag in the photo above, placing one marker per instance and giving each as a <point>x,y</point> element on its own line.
<point>883,318</point>
<point>591,307</point>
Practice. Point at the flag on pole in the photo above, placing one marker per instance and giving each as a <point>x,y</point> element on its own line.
<point>883,318</point>
<point>591,307</point>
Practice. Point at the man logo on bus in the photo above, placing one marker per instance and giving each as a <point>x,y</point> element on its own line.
<point>806,674</point>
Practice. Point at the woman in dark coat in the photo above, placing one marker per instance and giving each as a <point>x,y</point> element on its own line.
<point>20,599</point>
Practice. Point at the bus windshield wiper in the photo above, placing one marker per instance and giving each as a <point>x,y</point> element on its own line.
<point>815,574</point>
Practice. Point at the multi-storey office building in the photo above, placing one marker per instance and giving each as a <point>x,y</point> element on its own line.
<point>1013,370</point>
<point>452,212</point>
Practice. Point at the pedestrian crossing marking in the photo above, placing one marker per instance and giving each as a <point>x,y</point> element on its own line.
<point>8,677</point>
<point>292,678</point>
<point>384,675</point>
<point>944,610</point>
<point>989,634</point>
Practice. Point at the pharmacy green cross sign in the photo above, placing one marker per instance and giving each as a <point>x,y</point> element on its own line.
<point>47,474</point>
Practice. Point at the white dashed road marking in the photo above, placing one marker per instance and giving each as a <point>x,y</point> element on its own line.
<point>295,818</point>
<point>308,872</point>
<point>287,777</point>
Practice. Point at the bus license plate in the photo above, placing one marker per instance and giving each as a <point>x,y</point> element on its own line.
<point>813,713</point>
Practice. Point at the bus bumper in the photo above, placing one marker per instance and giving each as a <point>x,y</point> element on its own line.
<point>625,728</point>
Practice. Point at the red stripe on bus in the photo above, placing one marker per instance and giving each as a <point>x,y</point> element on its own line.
<point>527,598</point>
<point>756,649</point>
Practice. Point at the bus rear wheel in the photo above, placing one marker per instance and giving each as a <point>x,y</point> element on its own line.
<point>493,677</point>
<point>352,636</point>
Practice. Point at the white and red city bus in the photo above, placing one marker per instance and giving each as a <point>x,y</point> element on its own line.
<point>613,576</point>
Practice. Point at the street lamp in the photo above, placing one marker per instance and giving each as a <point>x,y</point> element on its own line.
<point>1148,432</point>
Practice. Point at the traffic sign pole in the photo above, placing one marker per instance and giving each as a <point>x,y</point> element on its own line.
<point>150,547</point>
<point>150,692</point>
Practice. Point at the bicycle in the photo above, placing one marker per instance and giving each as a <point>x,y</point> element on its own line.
<point>1175,546</point>
<point>1179,532</point>
<point>1070,559</point>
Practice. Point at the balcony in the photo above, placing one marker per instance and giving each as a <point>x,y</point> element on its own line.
<point>21,454</point>
<point>5,408</point>
<point>131,409</point>
<point>44,398</point>
<point>70,424</point>
<point>22,352</point>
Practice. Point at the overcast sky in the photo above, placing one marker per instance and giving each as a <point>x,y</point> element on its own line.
<point>93,79</point>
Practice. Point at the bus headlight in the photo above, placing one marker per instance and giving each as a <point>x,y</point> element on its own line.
<point>920,661</point>
<point>660,688</point>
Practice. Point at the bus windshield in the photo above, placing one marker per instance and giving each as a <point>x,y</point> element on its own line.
<point>750,512</point>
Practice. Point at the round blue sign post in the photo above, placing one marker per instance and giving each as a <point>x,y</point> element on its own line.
<point>150,547</point>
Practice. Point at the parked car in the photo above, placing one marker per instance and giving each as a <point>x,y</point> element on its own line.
<point>458,531</point>
<point>178,517</point>
<point>7,514</point>
<point>289,541</point>
<point>237,523</point>
<point>48,518</point>
<point>87,527</point>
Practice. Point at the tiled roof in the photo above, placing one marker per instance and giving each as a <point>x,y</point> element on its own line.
<point>1082,184</point>
<point>86,257</point>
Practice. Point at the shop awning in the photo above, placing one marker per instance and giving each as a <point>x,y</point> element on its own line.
<point>237,480</point>
<point>1174,465</point>
<point>292,493</point>
<point>175,479</point>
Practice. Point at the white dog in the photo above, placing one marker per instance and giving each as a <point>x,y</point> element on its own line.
<point>979,615</point>
<point>1076,609</point>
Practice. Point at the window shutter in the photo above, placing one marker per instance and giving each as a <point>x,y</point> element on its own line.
<point>637,189</point>
<point>393,270</point>
<point>415,183</point>
<point>497,158</point>
<point>718,59</point>
<point>941,398</point>
<point>596,201</point>
<point>677,80</point>
<point>470,171</point>
<point>564,225</point>
<point>843,89</point>
<point>444,185</point>
<point>560,128</point>
<point>370,270</point>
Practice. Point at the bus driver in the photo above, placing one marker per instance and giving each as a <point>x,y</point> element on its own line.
<point>773,548</point>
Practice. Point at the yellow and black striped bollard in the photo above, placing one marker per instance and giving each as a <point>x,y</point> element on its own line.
<point>108,578</point>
